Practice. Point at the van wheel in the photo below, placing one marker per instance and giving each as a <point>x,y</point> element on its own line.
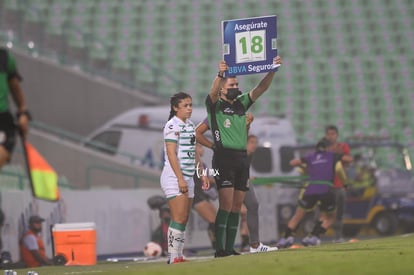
<point>385,223</point>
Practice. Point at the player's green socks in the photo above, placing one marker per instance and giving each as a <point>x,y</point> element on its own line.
<point>232,227</point>
<point>220,228</point>
<point>175,240</point>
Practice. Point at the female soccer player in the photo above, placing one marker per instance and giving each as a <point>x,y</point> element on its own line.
<point>179,168</point>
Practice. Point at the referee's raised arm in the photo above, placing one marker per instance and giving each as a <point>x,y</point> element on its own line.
<point>218,82</point>
<point>264,84</point>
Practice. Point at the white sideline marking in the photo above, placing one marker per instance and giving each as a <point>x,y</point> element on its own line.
<point>84,272</point>
<point>155,259</point>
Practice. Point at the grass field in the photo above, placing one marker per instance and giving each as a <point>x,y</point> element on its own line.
<point>393,255</point>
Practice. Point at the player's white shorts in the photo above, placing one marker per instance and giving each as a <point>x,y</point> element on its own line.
<point>169,184</point>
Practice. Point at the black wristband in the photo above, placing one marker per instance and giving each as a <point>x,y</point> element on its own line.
<point>26,113</point>
<point>219,74</point>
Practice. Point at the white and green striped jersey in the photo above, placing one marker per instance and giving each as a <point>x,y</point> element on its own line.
<point>183,133</point>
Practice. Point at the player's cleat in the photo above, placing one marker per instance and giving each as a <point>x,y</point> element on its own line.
<point>221,253</point>
<point>311,241</point>
<point>177,260</point>
<point>285,242</point>
<point>262,248</point>
<point>233,253</point>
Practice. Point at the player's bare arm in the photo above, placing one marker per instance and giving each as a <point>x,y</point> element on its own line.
<point>295,162</point>
<point>347,159</point>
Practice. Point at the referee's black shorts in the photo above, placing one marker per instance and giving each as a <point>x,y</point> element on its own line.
<point>7,131</point>
<point>233,169</point>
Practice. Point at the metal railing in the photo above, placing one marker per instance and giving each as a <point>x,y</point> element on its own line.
<point>137,177</point>
<point>81,140</point>
<point>18,180</point>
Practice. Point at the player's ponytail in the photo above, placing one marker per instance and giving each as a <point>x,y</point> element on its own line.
<point>175,100</point>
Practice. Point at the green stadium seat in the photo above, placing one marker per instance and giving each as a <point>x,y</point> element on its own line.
<point>121,59</point>
<point>82,7</point>
<point>35,13</point>
<point>76,39</point>
<point>98,57</point>
<point>145,75</point>
<point>12,4</point>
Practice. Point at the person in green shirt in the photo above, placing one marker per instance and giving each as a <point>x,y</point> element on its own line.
<point>226,109</point>
<point>10,82</point>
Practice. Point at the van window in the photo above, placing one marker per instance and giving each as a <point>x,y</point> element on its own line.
<point>287,153</point>
<point>262,160</point>
<point>106,142</point>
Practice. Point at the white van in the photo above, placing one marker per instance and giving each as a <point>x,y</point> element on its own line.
<point>275,135</point>
<point>136,137</point>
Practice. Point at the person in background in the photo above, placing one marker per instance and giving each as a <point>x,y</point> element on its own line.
<point>160,234</point>
<point>201,203</point>
<point>321,167</point>
<point>361,178</point>
<point>32,247</point>
<point>332,134</point>
<point>10,81</point>
<point>252,205</point>
<point>251,201</point>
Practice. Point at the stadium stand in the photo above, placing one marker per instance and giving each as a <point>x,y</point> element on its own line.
<point>348,63</point>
